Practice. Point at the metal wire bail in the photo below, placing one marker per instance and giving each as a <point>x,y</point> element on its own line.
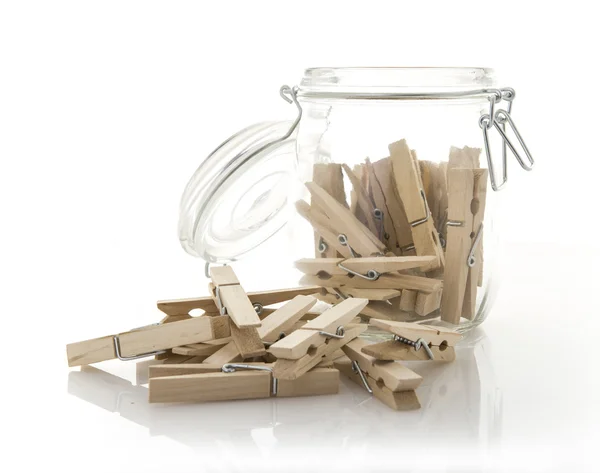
<point>498,119</point>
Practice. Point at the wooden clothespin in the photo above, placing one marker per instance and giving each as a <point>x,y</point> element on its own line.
<point>371,294</point>
<point>330,177</point>
<point>475,259</point>
<point>384,281</point>
<point>466,188</point>
<point>259,300</point>
<point>392,383</point>
<point>328,243</point>
<point>414,342</point>
<point>351,232</point>
<point>411,192</point>
<point>232,381</point>
<point>147,341</point>
<point>364,203</point>
<point>231,299</point>
<point>380,172</point>
<point>385,224</point>
<point>292,369</point>
<point>318,331</point>
<point>304,348</point>
<point>272,328</point>
<point>370,265</point>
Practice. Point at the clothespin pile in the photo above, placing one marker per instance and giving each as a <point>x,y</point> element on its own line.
<point>240,348</point>
<point>410,240</point>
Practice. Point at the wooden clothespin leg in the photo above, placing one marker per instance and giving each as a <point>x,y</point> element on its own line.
<point>235,381</point>
<point>391,383</point>
<point>411,192</point>
<point>458,245</point>
<point>414,342</point>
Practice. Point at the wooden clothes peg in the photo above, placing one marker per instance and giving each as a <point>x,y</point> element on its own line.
<point>411,192</point>
<point>466,189</point>
<point>330,177</point>
<point>475,259</point>
<point>357,236</point>
<point>414,342</point>
<point>292,369</point>
<point>317,331</point>
<point>329,239</point>
<point>385,281</point>
<point>387,232</point>
<point>207,303</point>
<point>137,343</point>
<point>392,383</point>
<point>382,170</point>
<point>363,201</point>
<point>236,381</point>
<point>366,265</point>
<point>231,299</point>
<point>275,324</point>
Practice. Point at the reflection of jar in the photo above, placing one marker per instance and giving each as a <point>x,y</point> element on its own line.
<point>245,192</point>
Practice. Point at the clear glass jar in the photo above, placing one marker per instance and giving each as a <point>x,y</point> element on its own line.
<point>240,203</point>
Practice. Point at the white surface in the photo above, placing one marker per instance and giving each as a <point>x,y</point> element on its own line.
<point>106,108</point>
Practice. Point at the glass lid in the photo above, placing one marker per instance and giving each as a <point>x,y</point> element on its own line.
<point>241,194</point>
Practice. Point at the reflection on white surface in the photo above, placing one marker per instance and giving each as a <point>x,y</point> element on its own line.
<point>461,405</point>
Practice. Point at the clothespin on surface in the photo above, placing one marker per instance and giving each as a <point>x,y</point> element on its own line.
<point>231,299</point>
<point>273,327</point>
<point>258,298</point>
<point>392,383</point>
<point>233,381</point>
<point>410,190</point>
<point>147,341</point>
<point>303,349</point>
<point>318,331</point>
<point>414,342</point>
<point>292,369</point>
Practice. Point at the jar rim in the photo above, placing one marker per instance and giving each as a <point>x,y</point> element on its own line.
<point>396,82</point>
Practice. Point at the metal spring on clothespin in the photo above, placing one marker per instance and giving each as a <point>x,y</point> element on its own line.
<point>339,333</point>
<point>232,367</point>
<point>420,343</point>
<point>356,369</point>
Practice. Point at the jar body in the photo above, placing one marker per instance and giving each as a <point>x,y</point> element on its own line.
<point>349,131</point>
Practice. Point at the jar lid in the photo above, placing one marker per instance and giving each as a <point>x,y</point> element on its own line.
<point>240,195</point>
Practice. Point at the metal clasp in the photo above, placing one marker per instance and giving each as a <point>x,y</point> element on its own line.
<point>498,119</point>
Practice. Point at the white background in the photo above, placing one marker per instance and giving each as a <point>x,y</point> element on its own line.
<point>106,108</point>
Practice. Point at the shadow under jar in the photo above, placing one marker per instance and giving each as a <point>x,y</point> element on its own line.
<point>382,188</point>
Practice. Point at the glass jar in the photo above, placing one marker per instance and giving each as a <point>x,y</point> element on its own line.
<point>405,153</point>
